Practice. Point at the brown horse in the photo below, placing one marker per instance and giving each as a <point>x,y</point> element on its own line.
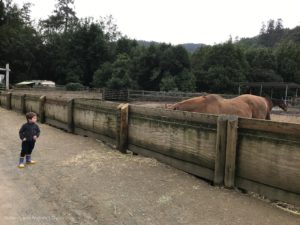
<point>259,105</point>
<point>275,102</point>
<point>250,106</point>
<point>214,104</point>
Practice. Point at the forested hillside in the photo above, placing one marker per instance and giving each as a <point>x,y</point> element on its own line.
<point>65,48</point>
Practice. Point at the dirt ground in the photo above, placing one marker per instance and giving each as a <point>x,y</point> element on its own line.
<point>80,180</point>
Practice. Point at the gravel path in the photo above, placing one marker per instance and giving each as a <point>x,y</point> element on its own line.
<point>79,180</point>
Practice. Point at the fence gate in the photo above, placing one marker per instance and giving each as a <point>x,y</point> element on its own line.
<point>115,95</point>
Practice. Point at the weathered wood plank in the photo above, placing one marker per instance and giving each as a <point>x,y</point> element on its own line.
<point>98,122</point>
<point>70,116</point>
<point>219,170</point>
<point>23,104</point>
<point>42,109</point>
<point>192,144</point>
<point>57,101</point>
<point>32,104</point>
<point>123,131</point>
<point>179,164</point>
<point>111,141</point>
<point>56,111</point>
<point>16,102</point>
<point>270,126</point>
<point>267,191</point>
<point>174,114</point>
<point>56,123</point>
<point>231,144</point>
<point>96,104</point>
<point>269,161</point>
<point>3,99</point>
<point>8,101</point>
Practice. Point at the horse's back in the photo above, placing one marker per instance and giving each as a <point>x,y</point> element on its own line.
<point>258,105</point>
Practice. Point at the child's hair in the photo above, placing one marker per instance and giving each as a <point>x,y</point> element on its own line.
<point>30,115</point>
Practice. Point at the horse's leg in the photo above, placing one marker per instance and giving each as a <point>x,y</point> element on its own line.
<point>268,116</point>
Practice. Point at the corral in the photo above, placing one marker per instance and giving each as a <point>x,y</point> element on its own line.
<point>254,155</point>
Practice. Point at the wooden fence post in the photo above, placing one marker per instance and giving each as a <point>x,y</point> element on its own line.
<point>122,140</point>
<point>231,145</point>
<point>8,101</point>
<point>23,106</point>
<point>70,106</point>
<point>220,150</point>
<point>42,108</point>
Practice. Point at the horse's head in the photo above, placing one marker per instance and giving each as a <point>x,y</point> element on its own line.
<point>170,106</point>
<point>281,103</point>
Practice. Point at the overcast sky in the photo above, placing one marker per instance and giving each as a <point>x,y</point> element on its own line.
<point>183,21</point>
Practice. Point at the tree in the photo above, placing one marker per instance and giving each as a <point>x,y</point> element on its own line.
<point>263,65</point>
<point>288,58</point>
<point>168,83</point>
<point>62,19</point>
<point>273,34</point>
<point>102,75</point>
<point>219,68</point>
<point>279,25</point>
<point>271,26</point>
<point>20,44</point>
<point>120,73</point>
<point>125,45</point>
<point>2,12</point>
<point>150,67</point>
<point>110,28</point>
<point>186,81</point>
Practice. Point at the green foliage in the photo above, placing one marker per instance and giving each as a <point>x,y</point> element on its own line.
<point>157,60</point>
<point>263,65</point>
<point>186,81</point>
<point>272,34</point>
<point>219,67</point>
<point>168,83</point>
<point>74,87</point>
<point>72,50</point>
<point>120,78</point>
<point>20,44</point>
<point>63,18</point>
<point>102,75</point>
<point>288,61</point>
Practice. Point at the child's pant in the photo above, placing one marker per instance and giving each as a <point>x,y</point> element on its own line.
<point>27,147</point>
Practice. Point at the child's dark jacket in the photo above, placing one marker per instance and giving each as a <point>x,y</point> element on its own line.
<point>28,130</point>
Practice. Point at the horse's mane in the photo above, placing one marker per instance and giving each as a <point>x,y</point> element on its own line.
<point>272,102</point>
<point>269,102</point>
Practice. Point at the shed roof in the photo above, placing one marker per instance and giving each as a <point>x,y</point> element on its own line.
<point>270,84</point>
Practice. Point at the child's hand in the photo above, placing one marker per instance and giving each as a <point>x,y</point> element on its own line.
<point>24,139</point>
<point>34,137</point>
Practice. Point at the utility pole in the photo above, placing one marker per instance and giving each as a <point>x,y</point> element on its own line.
<point>7,76</point>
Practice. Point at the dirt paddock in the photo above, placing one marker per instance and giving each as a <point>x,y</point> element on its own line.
<point>80,180</point>
<point>291,116</point>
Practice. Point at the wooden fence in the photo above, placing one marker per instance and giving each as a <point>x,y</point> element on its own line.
<point>254,155</point>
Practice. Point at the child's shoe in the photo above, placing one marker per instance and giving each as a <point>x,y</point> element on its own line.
<point>29,160</point>
<point>21,163</point>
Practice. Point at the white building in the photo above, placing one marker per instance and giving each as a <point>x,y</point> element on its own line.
<point>36,83</point>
